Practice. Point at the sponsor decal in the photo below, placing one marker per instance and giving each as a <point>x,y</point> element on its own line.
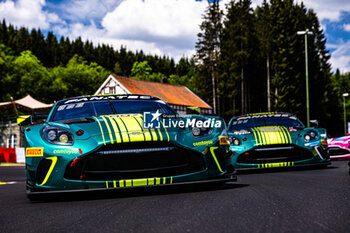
<point>124,115</point>
<point>224,140</point>
<point>70,106</point>
<point>208,123</point>
<point>242,132</point>
<point>153,121</point>
<point>235,149</point>
<point>35,152</point>
<point>269,129</point>
<point>110,97</point>
<point>266,115</point>
<point>324,142</point>
<point>67,152</point>
<point>202,143</point>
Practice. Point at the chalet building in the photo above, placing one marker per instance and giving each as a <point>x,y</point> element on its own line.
<point>179,98</point>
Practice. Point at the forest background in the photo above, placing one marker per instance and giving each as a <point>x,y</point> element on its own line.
<point>247,60</point>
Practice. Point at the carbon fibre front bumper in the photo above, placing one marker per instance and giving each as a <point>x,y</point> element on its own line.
<point>47,195</point>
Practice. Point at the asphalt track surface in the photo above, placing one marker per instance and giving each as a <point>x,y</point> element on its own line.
<point>316,200</point>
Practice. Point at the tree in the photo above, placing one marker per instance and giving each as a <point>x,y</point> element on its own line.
<point>27,77</point>
<point>38,45</point>
<point>339,85</point>
<point>141,71</point>
<point>51,50</point>
<point>238,66</point>
<point>263,29</point>
<point>287,63</point>
<point>6,69</point>
<point>117,69</point>
<point>65,52</point>
<point>208,47</point>
<point>20,41</point>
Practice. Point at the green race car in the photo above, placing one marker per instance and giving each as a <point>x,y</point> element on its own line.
<point>123,141</point>
<point>270,140</point>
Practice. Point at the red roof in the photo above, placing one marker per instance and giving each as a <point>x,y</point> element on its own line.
<point>171,94</point>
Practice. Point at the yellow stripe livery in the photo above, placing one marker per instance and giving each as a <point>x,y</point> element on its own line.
<point>139,182</point>
<point>281,164</point>
<point>269,135</point>
<point>128,128</point>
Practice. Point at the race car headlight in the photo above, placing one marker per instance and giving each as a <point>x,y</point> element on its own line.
<point>195,131</point>
<point>310,136</point>
<point>51,134</point>
<point>55,135</point>
<point>201,128</point>
<point>201,132</point>
<point>234,141</point>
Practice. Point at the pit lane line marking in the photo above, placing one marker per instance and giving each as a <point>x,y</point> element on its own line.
<point>12,164</point>
<point>11,182</point>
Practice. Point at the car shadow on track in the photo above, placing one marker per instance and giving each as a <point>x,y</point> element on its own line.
<point>133,192</point>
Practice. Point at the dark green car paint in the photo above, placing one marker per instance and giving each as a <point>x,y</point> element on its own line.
<point>269,140</point>
<point>96,139</point>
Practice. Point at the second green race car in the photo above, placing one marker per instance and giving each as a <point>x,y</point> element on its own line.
<point>269,140</point>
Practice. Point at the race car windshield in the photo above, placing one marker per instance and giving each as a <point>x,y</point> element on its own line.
<point>247,123</point>
<point>97,108</point>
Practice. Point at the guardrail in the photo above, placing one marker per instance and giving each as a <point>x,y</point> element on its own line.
<point>12,155</point>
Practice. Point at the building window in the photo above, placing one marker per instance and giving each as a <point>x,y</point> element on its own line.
<point>112,90</point>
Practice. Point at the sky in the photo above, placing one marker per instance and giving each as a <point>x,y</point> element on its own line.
<point>162,27</point>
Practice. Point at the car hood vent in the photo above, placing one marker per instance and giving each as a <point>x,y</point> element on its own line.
<point>79,120</point>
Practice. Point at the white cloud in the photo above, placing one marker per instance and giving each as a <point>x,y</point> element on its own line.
<point>159,27</point>
<point>332,11</point>
<point>86,32</point>
<point>84,10</point>
<point>163,19</point>
<point>169,26</point>
<point>346,27</point>
<point>27,13</point>
<point>326,9</point>
<point>341,56</point>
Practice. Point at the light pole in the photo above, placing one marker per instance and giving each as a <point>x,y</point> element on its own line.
<point>306,32</point>
<point>345,95</point>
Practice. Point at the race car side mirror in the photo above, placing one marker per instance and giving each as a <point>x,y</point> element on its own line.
<point>314,123</point>
<point>193,111</point>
